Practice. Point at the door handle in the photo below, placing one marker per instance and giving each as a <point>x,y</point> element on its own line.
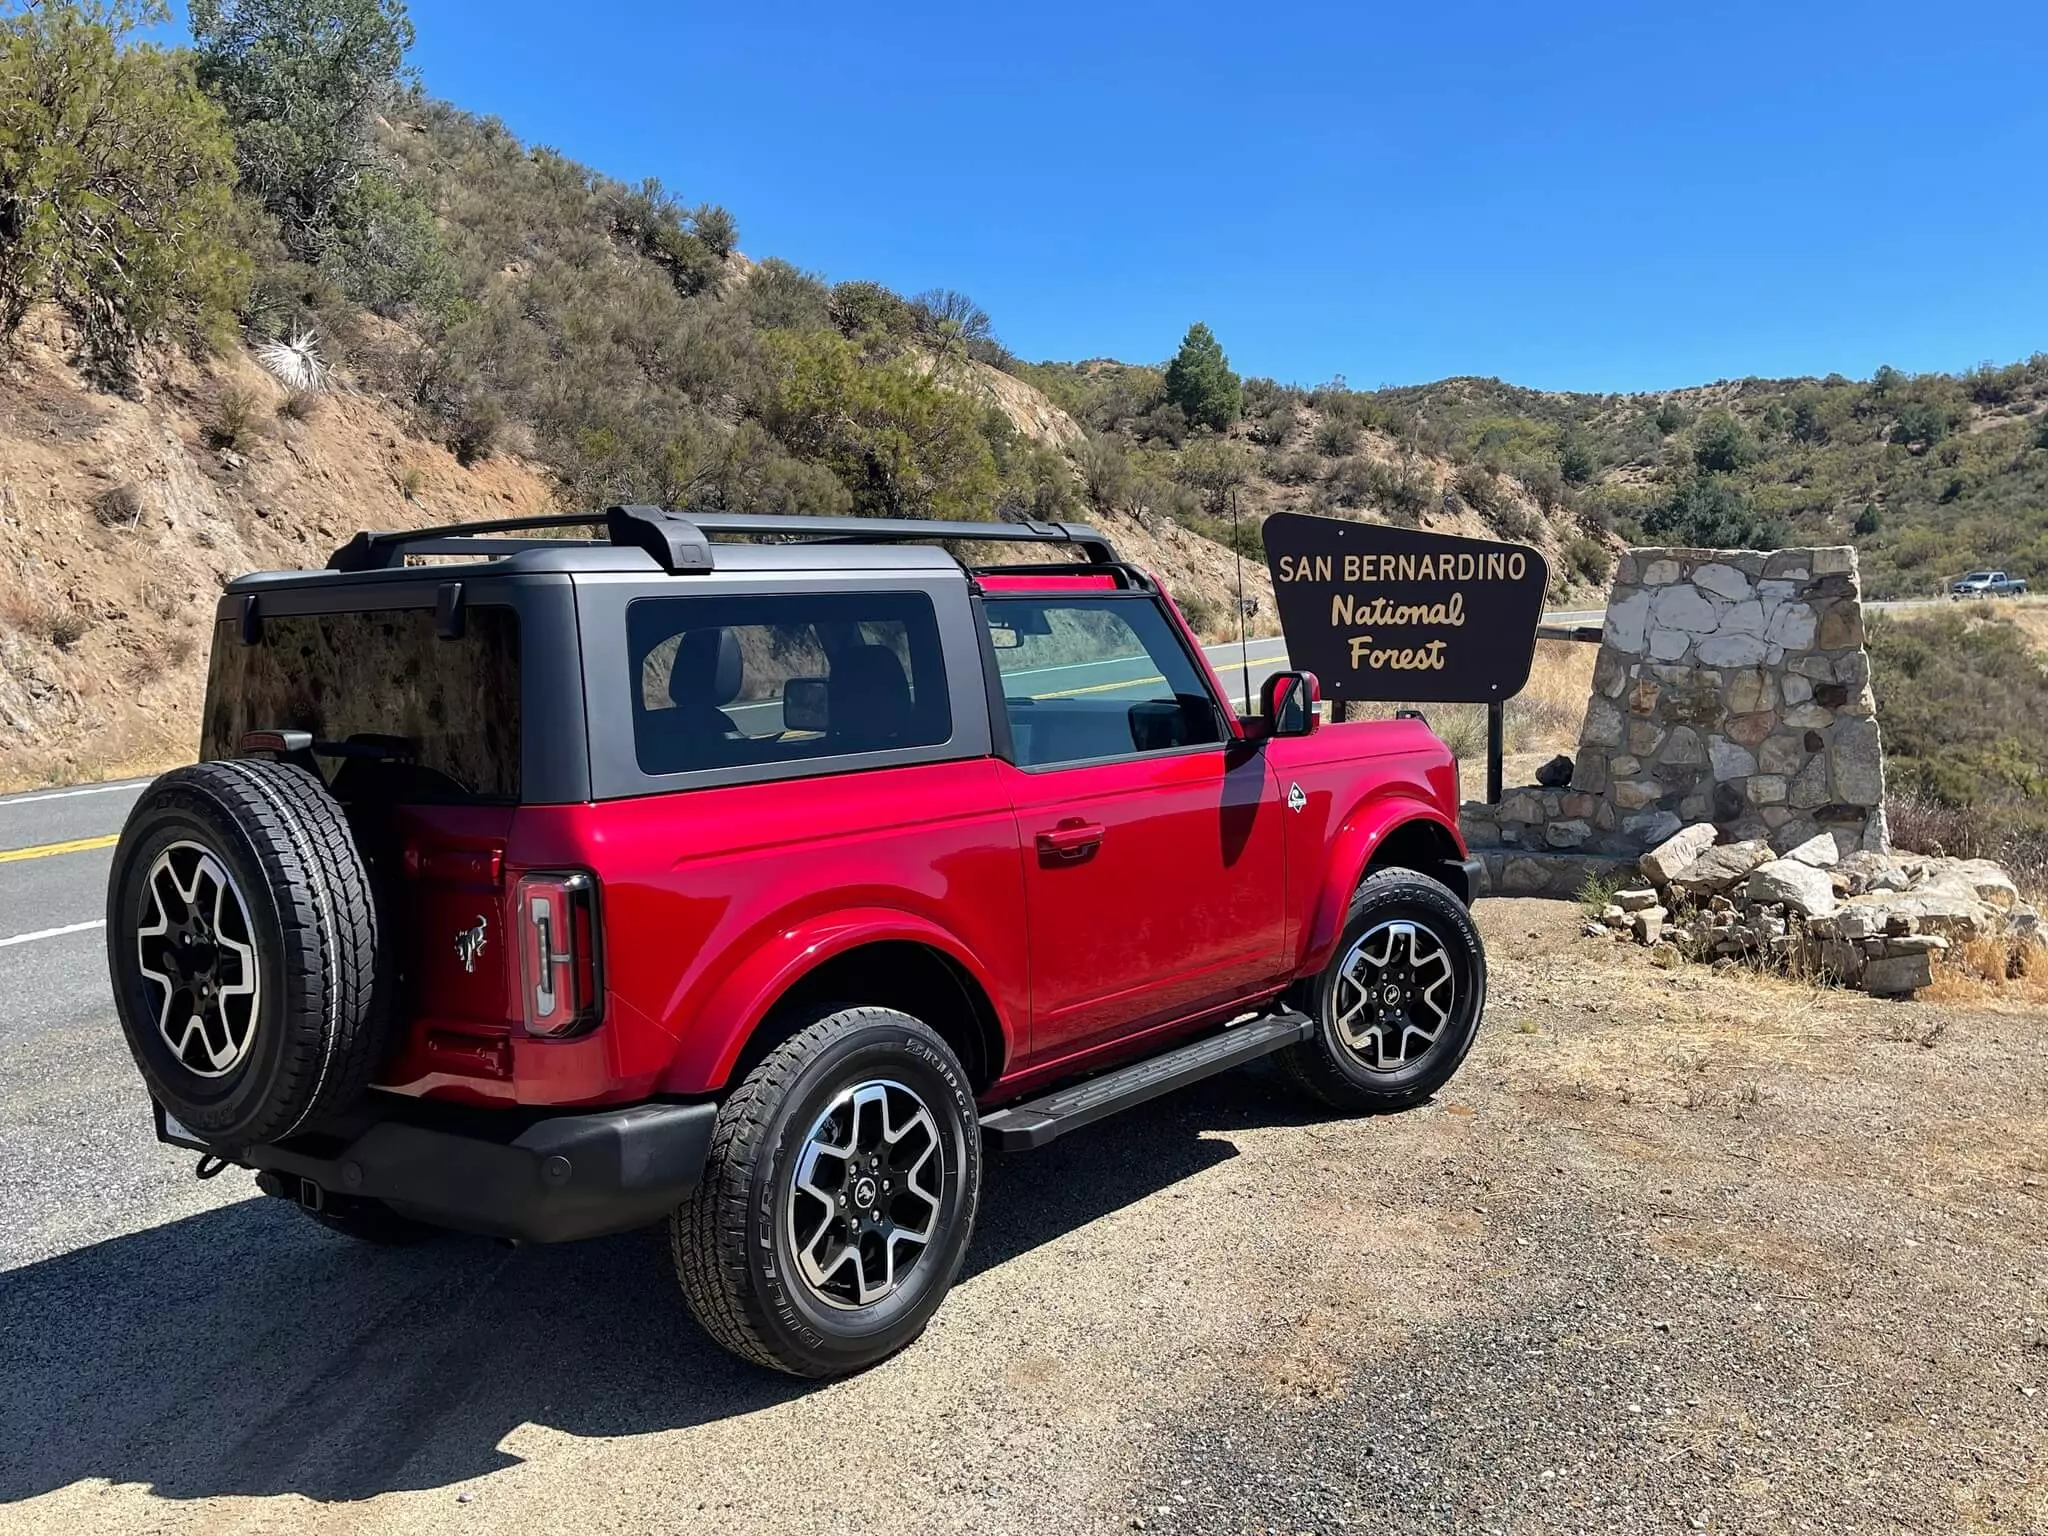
<point>1070,838</point>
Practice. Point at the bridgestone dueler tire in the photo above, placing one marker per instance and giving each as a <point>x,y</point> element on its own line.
<point>1323,1067</point>
<point>731,1246</point>
<point>318,1027</point>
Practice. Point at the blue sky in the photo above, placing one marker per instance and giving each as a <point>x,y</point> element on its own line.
<point>1582,196</point>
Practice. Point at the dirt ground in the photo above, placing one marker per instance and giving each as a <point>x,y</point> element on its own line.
<point>1678,1250</point>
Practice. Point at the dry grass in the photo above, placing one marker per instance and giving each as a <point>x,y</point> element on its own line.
<point>1542,720</point>
<point>2030,616</point>
<point>1991,970</point>
<point>162,599</point>
<point>62,624</point>
<point>119,506</point>
<point>1544,717</point>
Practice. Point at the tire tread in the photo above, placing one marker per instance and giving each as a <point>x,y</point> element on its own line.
<point>709,1233</point>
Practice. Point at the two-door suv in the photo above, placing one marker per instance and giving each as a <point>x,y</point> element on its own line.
<point>755,873</point>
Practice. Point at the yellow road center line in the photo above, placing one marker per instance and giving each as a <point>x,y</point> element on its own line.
<point>76,845</point>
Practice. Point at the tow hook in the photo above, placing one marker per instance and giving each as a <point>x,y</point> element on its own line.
<point>211,1165</point>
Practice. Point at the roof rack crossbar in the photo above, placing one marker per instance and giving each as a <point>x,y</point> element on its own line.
<point>682,541</point>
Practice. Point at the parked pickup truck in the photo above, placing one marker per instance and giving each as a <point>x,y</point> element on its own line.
<point>1988,584</point>
<point>754,874</point>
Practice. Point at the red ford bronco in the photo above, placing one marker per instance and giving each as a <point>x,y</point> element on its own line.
<point>755,873</point>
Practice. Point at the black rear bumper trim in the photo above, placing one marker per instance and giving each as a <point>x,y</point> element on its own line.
<point>561,1178</point>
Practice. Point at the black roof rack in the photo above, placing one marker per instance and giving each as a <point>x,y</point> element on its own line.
<point>681,542</point>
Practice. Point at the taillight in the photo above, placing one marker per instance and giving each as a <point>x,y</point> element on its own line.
<point>558,960</point>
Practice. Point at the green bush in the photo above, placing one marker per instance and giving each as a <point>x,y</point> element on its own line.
<point>1868,521</point>
<point>779,297</point>
<point>1963,703</point>
<point>1920,424</point>
<point>1588,559</point>
<point>1336,436</point>
<point>386,251</point>
<point>1476,485</point>
<point>1213,469</point>
<point>1297,468</point>
<point>1707,512</point>
<point>902,444</point>
<point>1106,475</point>
<point>1274,424</point>
<point>1577,459</point>
<point>116,189</point>
<point>1516,521</point>
<point>1164,423</point>
<point>1722,445</point>
<point>301,81</point>
<point>865,310</point>
<point>1200,382</point>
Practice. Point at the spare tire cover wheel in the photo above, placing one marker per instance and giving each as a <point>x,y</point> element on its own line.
<point>241,940</point>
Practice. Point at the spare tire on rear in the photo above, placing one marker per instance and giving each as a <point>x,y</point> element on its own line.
<point>242,943</point>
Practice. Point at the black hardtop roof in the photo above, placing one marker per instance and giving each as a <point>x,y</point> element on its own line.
<point>590,557</point>
<point>683,543</point>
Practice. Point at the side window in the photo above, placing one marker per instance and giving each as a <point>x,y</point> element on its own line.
<point>733,682</point>
<point>1088,678</point>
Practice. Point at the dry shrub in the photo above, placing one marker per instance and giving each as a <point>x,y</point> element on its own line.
<point>237,419</point>
<point>162,599</point>
<point>150,662</point>
<point>180,649</point>
<point>1919,823</point>
<point>302,405</point>
<point>62,624</point>
<point>119,506</point>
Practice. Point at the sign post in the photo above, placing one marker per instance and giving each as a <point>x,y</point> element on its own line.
<point>1398,615</point>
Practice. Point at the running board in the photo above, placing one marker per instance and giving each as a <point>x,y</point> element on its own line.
<point>1020,1127</point>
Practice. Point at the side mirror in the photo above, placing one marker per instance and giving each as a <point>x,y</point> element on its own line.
<point>804,706</point>
<point>1288,704</point>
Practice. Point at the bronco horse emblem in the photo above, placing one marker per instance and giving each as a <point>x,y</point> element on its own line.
<point>469,943</point>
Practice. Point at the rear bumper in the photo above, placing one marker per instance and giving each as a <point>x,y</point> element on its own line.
<point>564,1177</point>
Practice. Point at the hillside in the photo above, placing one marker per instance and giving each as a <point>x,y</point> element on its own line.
<point>1928,475</point>
<point>121,518</point>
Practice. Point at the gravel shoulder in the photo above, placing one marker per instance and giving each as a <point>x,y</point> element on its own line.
<point>1677,1250</point>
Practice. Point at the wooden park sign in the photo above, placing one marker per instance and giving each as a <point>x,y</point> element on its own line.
<point>1393,614</point>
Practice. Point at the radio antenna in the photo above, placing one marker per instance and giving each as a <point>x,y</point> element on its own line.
<point>1244,654</point>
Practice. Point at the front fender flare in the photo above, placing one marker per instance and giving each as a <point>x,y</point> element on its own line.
<point>715,1033</point>
<point>1350,854</point>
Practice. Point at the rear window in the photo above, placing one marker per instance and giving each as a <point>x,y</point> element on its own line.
<point>430,719</point>
<point>738,682</point>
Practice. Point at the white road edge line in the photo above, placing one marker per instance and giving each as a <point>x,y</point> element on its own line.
<point>66,794</point>
<point>54,933</point>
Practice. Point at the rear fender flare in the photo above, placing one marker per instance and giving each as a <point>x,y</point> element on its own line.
<point>1358,837</point>
<point>714,1035</point>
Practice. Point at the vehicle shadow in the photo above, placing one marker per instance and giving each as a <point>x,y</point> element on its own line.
<point>244,1351</point>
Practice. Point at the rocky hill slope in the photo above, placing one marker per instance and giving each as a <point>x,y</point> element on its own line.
<point>121,518</point>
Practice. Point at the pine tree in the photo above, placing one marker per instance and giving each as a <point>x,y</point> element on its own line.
<point>1200,382</point>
